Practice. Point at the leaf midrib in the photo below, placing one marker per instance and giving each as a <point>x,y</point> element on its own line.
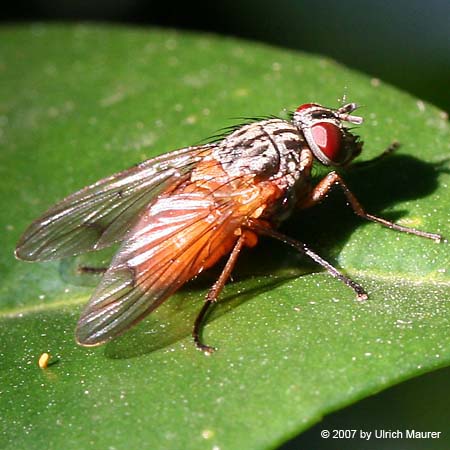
<point>360,275</point>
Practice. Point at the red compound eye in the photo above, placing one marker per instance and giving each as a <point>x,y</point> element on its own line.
<point>306,106</point>
<point>327,137</point>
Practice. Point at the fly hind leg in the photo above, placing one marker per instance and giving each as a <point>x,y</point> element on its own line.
<point>91,270</point>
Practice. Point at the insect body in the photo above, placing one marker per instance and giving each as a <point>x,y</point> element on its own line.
<point>179,214</point>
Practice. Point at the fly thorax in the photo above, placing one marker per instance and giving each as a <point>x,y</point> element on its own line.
<point>266,149</point>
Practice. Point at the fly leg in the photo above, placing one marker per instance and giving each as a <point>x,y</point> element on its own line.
<point>332,179</point>
<point>303,248</point>
<point>382,156</point>
<point>89,269</point>
<point>214,293</point>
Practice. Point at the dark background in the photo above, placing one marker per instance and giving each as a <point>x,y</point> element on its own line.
<point>403,42</point>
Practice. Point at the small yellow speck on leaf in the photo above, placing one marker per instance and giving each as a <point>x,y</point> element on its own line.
<point>43,360</point>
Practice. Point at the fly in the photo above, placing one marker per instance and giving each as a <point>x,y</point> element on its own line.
<point>180,213</point>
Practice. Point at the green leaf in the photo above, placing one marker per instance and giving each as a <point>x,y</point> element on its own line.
<point>79,103</point>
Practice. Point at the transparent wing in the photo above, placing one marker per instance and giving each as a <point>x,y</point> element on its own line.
<point>101,214</point>
<point>173,241</point>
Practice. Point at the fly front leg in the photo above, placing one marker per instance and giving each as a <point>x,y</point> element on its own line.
<point>381,157</point>
<point>334,179</point>
<point>214,293</point>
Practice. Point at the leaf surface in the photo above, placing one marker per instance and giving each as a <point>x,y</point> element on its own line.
<point>79,103</point>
